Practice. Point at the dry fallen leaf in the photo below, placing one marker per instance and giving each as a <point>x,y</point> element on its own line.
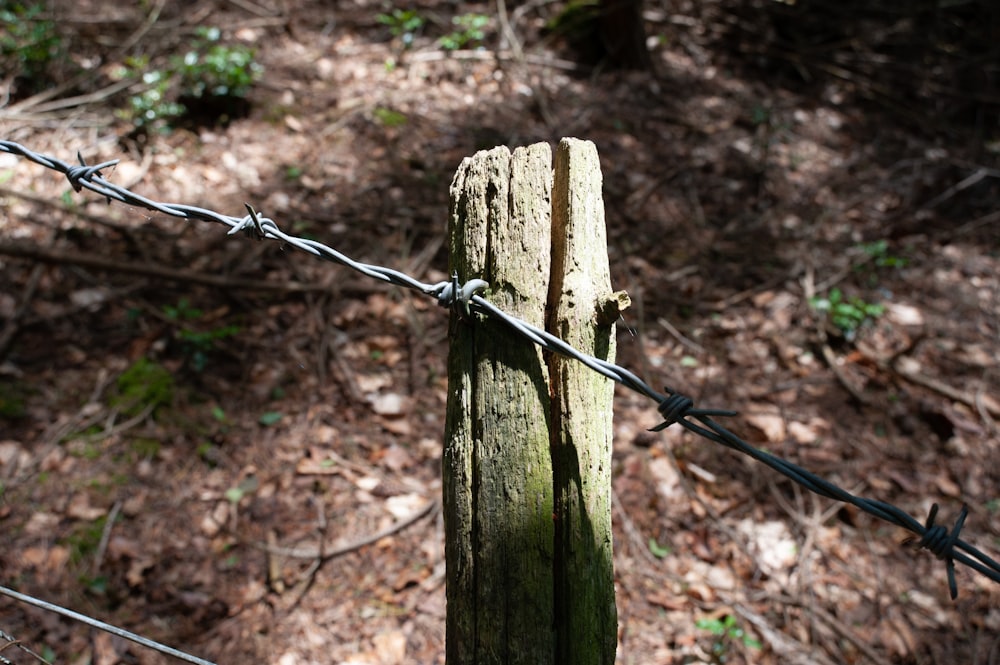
<point>104,649</point>
<point>41,524</point>
<point>397,458</point>
<point>405,505</point>
<point>390,647</point>
<point>767,419</point>
<point>12,455</point>
<point>79,508</point>
<point>391,404</point>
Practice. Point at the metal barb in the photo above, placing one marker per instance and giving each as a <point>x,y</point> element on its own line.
<point>251,225</point>
<point>464,299</point>
<point>457,296</point>
<point>939,542</point>
<point>675,407</point>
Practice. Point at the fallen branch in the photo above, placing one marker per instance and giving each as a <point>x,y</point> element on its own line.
<point>25,250</point>
<point>325,553</point>
<point>979,402</point>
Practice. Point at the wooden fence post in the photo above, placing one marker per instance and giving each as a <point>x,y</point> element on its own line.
<point>497,472</point>
<point>582,312</point>
<point>526,476</point>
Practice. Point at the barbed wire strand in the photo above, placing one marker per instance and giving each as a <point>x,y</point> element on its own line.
<point>464,299</point>
<point>106,627</point>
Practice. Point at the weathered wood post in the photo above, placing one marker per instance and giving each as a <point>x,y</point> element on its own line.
<point>528,546</point>
<point>582,312</point>
<point>497,473</point>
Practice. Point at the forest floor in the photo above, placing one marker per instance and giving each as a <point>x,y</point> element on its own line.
<point>163,437</point>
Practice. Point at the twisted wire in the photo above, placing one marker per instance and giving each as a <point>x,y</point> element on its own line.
<point>465,301</point>
<point>106,627</point>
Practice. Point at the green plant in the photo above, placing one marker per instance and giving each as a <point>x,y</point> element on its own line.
<point>218,70</point>
<point>879,252</point>
<point>577,21</point>
<point>11,401</point>
<point>726,631</point>
<point>199,343</point>
<point>269,418</point>
<point>85,447</point>
<point>847,314</point>
<point>209,72</point>
<point>29,40</point>
<point>145,384</point>
<point>403,23</point>
<point>657,550</point>
<point>153,103</point>
<point>82,542</point>
<point>196,344</point>
<point>146,448</point>
<point>182,311</point>
<point>247,486</point>
<point>388,117</point>
<point>470,32</point>
<point>877,260</point>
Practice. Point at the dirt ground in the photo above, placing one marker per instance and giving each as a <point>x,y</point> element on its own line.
<point>169,443</point>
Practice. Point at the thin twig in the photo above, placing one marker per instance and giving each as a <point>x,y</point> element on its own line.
<point>790,650</point>
<point>55,256</point>
<point>324,553</point>
<point>309,577</point>
<point>102,546</point>
<point>679,336</point>
<point>13,642</point>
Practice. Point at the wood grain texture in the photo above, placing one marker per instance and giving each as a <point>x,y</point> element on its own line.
<point>586,617</point>
<point>497,473</point>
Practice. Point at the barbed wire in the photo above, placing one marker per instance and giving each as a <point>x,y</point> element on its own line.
<point>463,298</point>
<point>106,627</point>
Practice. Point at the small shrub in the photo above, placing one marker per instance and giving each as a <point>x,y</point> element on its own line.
<point>82,542</point>
<point>218,70</point>
<point>727,632</point>
<point>389,117</point>
<point>470,32</point>
<point>29,44</point>
<point>153,103</point>
<point>847,314</point>
<point>403,24</point>
<point>196,344</point>
<point>879,252</point>
<point>143,385</point>
<point>210,82</point>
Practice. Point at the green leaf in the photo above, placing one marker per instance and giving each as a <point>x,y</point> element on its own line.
<point>658,551</point>
<point>388,117</point>
<point>713,626</point>
<point>689,361</point>
<point>269,418</point>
